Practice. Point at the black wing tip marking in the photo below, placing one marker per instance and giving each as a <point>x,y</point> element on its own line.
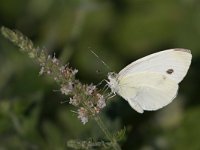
<point>182,50</point>
<point>170,71</point>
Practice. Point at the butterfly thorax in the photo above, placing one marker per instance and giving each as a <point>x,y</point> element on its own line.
<point>113,83</point>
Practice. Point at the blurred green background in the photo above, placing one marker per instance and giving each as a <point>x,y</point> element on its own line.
<point>119,31</point>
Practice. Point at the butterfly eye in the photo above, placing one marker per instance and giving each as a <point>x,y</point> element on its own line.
<point>112,75</point>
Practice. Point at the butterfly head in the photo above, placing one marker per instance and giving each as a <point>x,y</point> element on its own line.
<point>112,83</point>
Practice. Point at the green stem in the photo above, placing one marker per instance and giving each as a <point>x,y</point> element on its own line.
<point>26,45</point>
<point>107,133</point>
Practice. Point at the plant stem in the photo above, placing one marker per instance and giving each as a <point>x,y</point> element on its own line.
<point>107,133</point>
<point>41,57</point>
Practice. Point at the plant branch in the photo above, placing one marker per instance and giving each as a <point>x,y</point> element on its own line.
<point>86,98</point>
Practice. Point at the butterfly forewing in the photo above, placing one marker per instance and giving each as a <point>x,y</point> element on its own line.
<point>174,63</point>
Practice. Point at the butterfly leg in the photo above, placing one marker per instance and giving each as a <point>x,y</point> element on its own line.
<point>110,95</point>
<point>104,80</point>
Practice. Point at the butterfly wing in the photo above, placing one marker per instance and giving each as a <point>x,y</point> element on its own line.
<point>147,90</point>
<point>173,62</point>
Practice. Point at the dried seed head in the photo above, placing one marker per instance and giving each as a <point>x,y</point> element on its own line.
<point>55,61</point>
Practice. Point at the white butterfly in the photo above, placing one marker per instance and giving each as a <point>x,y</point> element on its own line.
<point>151,82</point>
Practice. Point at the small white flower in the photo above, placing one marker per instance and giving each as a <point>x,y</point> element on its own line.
<point>90,88</point>
<point>48,72</point>
<point>73,101</point>
<point>49,57</point>
<point>90,104</point>
<point>66,89</point>
<point>55,60</point>
<point>62,69</point>
<point>41,71</point>
<point>75,71</point>
<point>82,114</point>
<point>101,101</point>
<point>97,110</point>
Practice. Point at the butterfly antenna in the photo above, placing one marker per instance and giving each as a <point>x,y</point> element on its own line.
<point>100,60</point>
<point>62,102</point>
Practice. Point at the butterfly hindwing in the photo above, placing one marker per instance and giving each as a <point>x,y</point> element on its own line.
<point>147,90</point>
